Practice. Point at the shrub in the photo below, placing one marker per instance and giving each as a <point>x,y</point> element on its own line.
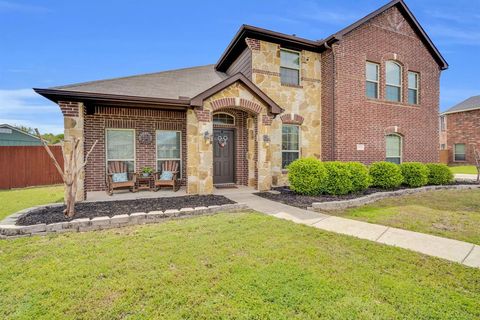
<point>306,176</point>
<point>339,179</point>
<point>439,173</point>
<point>386,175</point>
<point>415,174</point>
<point>361,180</point>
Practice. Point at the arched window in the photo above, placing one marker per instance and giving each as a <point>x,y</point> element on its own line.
<point>393,81</point>
<point>223,118</point>
<point>394,148</point>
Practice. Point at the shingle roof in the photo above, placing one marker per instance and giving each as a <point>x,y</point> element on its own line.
<point>171,84</point>
<point>471,103</point>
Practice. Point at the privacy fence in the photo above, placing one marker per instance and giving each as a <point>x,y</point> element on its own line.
<point>28,166</point>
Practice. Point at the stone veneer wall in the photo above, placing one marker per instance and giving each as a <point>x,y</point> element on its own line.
<point>303,100</point>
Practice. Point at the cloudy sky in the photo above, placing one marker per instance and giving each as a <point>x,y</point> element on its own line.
<point>53,42</point>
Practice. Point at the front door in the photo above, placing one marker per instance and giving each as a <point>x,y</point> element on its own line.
<point>223,156</point>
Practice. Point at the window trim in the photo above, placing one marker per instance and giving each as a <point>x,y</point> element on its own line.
<point>299,142</point>
<point>401,146</point>
<point>377,65</point>
<point>222,124</point>
<point>134,148</point>
<point>443,123</point>
<point>394,85</point>
<point>417,89</point>
<point>455,152</point>
<point>180,170</point>
<point>299,66</point>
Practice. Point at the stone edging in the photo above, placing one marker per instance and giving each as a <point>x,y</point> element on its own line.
<point>343,204</point>
<point>8,229</point>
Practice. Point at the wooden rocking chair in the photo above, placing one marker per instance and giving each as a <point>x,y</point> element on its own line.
<point>172,166</point>
<point>120,167</point>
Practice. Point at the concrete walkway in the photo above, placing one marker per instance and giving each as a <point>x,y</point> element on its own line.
<point>465,177</point>
<point>449,249</point>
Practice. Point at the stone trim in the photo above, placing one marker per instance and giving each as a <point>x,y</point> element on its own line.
<point>235,103</point>
<point>8,229</point>
<point>203,115</point>
<point>69,109</point>
<point>266,72</point>
<point>292,118</point>
<point>343,204</point>
<point>253,44</point>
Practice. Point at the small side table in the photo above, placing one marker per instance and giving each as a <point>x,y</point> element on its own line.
<point>145,183</point>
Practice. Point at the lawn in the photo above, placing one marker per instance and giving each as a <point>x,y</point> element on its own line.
<point>451,214</point>
<point>227,266</point>
<point>464,169</point>
<point>14,200</point>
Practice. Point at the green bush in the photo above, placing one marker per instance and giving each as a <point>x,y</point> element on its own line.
<point>439,173</point>
<point>306,176</point>
<point>361,180</point>
<point>339,179</point>
<point>385,175</point>
<point>415,174</point>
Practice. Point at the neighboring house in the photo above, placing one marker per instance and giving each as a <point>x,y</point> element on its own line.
<point>11,136</point>
<point>367,93</point>
<point>461,131</point>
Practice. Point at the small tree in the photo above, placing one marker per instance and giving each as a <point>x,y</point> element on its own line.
<point>73,166</point>
<point>476,153</point>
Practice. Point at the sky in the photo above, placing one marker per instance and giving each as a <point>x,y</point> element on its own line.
<point>46,43</point>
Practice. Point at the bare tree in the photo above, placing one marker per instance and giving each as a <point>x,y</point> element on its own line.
<point>476,154</point>
<point>74,163</point>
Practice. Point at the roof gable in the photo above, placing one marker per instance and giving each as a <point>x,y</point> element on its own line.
<point>472,103</point>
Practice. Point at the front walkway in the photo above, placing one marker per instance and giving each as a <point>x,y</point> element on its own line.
<point>449,249</point>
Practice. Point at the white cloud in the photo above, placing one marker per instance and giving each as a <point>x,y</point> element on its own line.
<point>10,6</point>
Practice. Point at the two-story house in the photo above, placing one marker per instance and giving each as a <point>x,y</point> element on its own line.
<point>367,93</point>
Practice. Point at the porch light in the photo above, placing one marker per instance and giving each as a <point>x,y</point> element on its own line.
<point>207,137</point>
<point>266,139</point>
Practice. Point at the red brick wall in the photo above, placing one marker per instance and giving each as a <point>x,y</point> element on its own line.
<point>142,120</point>
<point>464,127</point>
<point>349,118</point>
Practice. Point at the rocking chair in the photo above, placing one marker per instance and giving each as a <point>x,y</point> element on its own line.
<point>120,167</point>
<point>171,166</point>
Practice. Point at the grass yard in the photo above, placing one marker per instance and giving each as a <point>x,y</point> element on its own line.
<point>12,201</point>
<point>464,169</point>
<point>451,214</point>
<point>227,266</point>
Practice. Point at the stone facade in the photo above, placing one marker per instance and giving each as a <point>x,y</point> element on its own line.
<point>463,127</point>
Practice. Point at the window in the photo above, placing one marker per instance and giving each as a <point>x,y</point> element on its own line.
<point>121,146</point>
<point>372,80</point>
<point>169,148</point>
<point>442,146</point>
<point>290,144</point>
<point>394,148</point>
<point>413,87</point>
<point>223,118</point>
<point>289,67</point>
<point>442,123</point>
<point>459,152</point>
<point>393,81</point>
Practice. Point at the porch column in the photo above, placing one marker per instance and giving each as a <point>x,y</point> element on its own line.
<point>199,152</point>
<point>264,153</point>
<point>73,121</point>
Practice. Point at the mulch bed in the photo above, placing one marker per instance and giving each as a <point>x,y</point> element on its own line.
<point>287,196</point>
<point>111,208</point>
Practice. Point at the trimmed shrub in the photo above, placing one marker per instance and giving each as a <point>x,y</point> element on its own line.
<point>339,179</point>
<point>306,176</point>
<point>361,180</point>
<point>439,173</point>
<point>385,175</point>
<point>415,174</point>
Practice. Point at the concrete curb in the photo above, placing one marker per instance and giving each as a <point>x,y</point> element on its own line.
<point>9,230</point>
<point>344,204</point>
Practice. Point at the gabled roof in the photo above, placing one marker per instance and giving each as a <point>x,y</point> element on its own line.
<point>4,125</point>
<point>472,103</point>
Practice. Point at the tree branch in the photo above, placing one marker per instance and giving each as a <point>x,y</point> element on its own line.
<point>47,148</point>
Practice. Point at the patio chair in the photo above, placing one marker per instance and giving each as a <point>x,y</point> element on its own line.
<point>165,181</point>
<point>115,167</point>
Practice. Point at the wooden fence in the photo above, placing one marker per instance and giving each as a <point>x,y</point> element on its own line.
<point>444,156</point>
<point>28,166</point>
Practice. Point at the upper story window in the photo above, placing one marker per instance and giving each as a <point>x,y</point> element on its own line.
<point>223,118</point>
<point>289,67</point>
<point>413,78</point>
<point>393,81</point>
<point>371,71</point>
<point>443,125</point>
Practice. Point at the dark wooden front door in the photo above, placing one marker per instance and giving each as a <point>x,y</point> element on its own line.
<point>223,156</point>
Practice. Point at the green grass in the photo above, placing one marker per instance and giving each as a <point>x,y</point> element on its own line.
<point>14,200</point>
<point>464,169</point>
<point>227,266</point>
<point>451,214</point>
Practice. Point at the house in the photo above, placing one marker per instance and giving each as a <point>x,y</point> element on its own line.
<point>11,136</point>
<point>460,131</point>
<point>369,92</point>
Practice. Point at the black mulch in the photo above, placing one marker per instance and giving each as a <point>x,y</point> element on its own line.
<point>111,208</point>
<point>287,196</point>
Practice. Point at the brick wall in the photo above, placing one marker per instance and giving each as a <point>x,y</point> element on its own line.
<point>142,120</point>
<point>349,118</point>
<point>463,127</point>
